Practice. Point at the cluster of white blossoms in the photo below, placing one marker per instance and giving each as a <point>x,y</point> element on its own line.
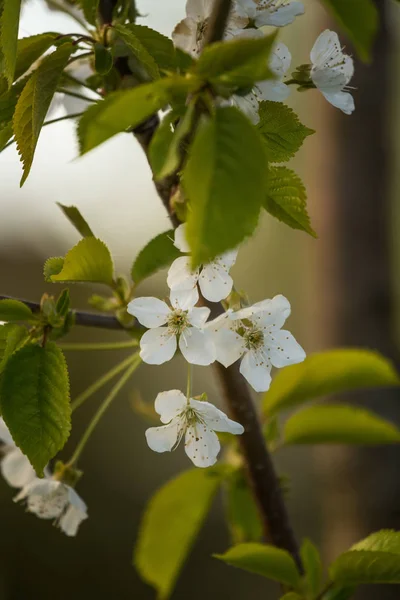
<point>253,334</point>
<point>330,71</point>
<point>47,498</point>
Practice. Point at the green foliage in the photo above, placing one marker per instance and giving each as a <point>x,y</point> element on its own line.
<point>159,47</point>
<point>90,260</point>
<point>170,525</point>
<point>242,513</point>
<point>34,399</point>
<point>90,8</point>
<point>281,130</point>
<point>9,23</point>
<point>292,596</point>
<point>103,60</point>
<point>165,148</point>
<point>126,109</point>
<point>74,216</point>
<point>238,62</point>
<point>8,102</point>
<point>359,19</point>
<point>373,560</point>
<point>312,567</point>
<point>224,180</point>
<point>34,102</point>
<point>265,560</point>
<point>330,372</point>
<point>52,266</point>
<point>12,337</point>
<point>6,133</point>
<point>30,49</point>
<point>339,593</point>
<point>141,53</point>
<point>160,252</point>
<point>338,424</point>
<point>14,310</point>
<point>286,199</point>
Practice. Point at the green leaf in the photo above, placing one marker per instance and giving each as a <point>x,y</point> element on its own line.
<point>160,48</point>
<point>338,424</point>
<point>385,540</point>
<point>8,102</point>
<point>63,303</point>
<point>238,62</point>
<point>6,134</point>
<point>12,337</point>
<point>52,266</point>
<point>170,525</point>
<point>330,372</point>
<point>30,49</point>
<point>361,31</point>
<point>34,102</point>
<point>9,23</point>
<point>126,109</point>
<point>90,8</point>
<point>340,593</point>
<point>312,567</point>
<point>103,60</point>
<point>265,560</point>
<point>224,180</point>
<point>286,199</point>
<point>160,252</point>
<point>14,310</point>
<point>145,59</point>
<point>165,148</point>
<point>281,130</point>
<point>34,398</point>
<point>74,216</point>
<point>292,596</point>
<point>90,260</point>
<point>242,512</point>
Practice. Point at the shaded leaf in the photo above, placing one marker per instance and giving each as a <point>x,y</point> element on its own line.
<point>34,399</point>
<point>12,337</point>
<point>165,150</point>
<point>281,130</point>
<point>30,49</point>
<point>103,60</point>
<point>242,512</point>
<point>264,560</point>
<point>14,310</point>
<point>52,266</point>
<point>74,216</point>
<point>312,566</point>
<point>34,102</point>
<point>286,199</point>
<point>386,540</point>
<point>160,252</point>
<point>90,8</point>
<point>362,566</point>
<point>327,373</point>
<point>126,34</point>
<point>338,424</point>
<point>160,47</point>
<point>90,260</point>
<point>9,23</point>
<point>170,525</point>
<point>224,180</point>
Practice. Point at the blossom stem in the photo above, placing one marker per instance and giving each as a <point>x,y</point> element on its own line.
<point>102,409</point>
<point>99,383</point>
<point>101,346</point>
<point>189,382</point>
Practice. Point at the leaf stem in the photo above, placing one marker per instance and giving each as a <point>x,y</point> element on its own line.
<point>76,95</point>
<point>70,347</point>
<point>99,383</point>
<point>102,409</point>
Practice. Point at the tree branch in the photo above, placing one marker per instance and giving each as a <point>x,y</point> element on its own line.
<point>263,479</point>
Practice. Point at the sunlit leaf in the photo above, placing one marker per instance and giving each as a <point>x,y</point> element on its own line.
<point>14,310</point>
<point>90,260</point>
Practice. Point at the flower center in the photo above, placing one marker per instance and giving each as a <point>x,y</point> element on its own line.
<point>178,321</point>
<point>253,338</point>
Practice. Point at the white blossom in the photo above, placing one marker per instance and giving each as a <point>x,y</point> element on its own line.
<point>181,324</point>
<point>332,70</point>
<point>273,89</point>
<point>190,33</point>
<point>277,13</point>
<point>51,499</point>
<point>196,420</point>
<point>15,466</point>
<point>213,278</point>
<point>255,333</point>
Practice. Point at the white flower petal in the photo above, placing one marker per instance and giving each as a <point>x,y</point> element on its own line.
<point>248,105</point>
<point>16,469</point>
<point>280,60</point>
<point>215,419</point>
<point>157,346</point>
<point>169,404</point>
<point>326,48</point>
<point>163,439</point>
<point>215,282</point>
<point>184,299</point>
<point>198,316</point>
<point>201,445</point>
<point>342,100</point>
<point>275,91</point>
<point>5,435</point>
<point>247,8</point>
<point>46,498</point>
<point>283,349</point>
<point>197,346</point>
<point>229,346</point>
<point>180,275</point>
<point>280,16</point>
<point>71,519</point>
<point>150,312</point>
<point>271,314</point>
<point>256,371</point>
<point>180,240</point>
<point>184,36</point>
<point>227,259</point>
<point>199,10</point>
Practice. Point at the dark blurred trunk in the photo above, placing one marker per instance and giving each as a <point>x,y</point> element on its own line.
<point>362,490</point>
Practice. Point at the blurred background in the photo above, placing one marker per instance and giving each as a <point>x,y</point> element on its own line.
<point>343,289</point>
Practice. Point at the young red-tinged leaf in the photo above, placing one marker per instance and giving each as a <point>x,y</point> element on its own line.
<point>35,403</point>
<point>90,260</point>
<point>34,102</point>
